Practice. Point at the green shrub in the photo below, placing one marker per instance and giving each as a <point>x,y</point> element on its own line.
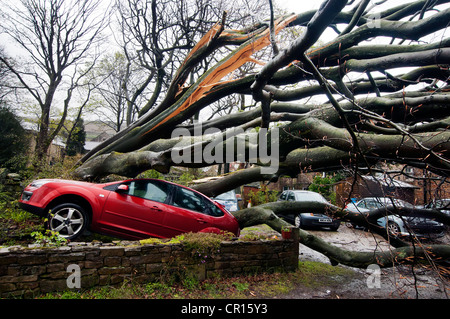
<point>48,238</point>
<point>262,196</point>
<point>204,245</point>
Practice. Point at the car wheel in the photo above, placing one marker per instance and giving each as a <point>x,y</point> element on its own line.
<point>69,220</point>
<point>393,229</point>
<point>334,228</point>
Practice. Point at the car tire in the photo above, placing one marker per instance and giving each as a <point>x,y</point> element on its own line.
<point>393,229</point>
<point>334,228</point>
<point>69,220</point>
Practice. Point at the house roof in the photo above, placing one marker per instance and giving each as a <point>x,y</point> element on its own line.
<point>388,182</point>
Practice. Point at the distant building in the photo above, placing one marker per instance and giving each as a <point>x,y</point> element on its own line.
<point>96,133</point>
<point>55,150</point>
<point>370,186</point>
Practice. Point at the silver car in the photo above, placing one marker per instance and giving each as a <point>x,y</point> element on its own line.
<point>398,226</point>
<point>229,200</point>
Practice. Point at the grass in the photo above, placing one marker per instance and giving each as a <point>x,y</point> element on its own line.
<point>310,275</point>
<point>17,225</point>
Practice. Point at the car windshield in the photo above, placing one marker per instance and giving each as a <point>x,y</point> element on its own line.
<point>310,197</point>
<point>397,202</point>
<point>230,195</point>
<point>443,203</point>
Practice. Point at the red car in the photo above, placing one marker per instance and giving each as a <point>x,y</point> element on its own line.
<point>130,209</point>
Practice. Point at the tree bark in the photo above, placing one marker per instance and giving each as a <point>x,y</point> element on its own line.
<point>404,253</point>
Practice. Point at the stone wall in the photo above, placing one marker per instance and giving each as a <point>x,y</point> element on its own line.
<point>28,272</point>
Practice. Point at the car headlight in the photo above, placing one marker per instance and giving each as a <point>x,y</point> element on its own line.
<point>38,183</point>
<point>26,196</point>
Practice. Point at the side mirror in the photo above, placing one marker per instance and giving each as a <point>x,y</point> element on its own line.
<point>122,189</point>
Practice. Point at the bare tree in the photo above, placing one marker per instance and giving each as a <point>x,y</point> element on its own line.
<point>374,112</point>
<point>53,37</point>
<point>157,35</point>
<point>5,76</point>
<point>111,76</point>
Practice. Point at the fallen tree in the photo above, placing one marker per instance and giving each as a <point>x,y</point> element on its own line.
<point>374,112</point>
<point>400,253</point>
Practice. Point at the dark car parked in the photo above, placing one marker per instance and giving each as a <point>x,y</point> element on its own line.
<point>308,220</point>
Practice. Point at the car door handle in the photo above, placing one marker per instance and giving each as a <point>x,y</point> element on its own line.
<point>156,208</point>
<point>201,220</point>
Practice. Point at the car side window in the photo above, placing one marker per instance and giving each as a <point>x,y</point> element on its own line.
<point>283,196</point>
<point>151,190</point>
<point>188,199</point>
<point>378,204</point>
<point>371,204</point>
<point>362,204</point>
<point>291,197</point>
<point>213,210</point>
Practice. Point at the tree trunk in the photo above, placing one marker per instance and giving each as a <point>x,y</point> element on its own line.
<point>405,253</point>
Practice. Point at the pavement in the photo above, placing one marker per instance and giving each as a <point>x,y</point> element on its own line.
<point>402,281</point>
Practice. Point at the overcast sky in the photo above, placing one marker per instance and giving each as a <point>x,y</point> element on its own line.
<point>298,6</point>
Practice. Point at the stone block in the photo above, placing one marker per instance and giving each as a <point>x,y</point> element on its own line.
<point>114,270</point>
<point>56,267</point>
<point>112,251</point>
<point>8,260</point>
<point>113,261</point>
<point>48,285</point>
<point>5,288</point>
<point>31,259</point>
<point>89,264</point>
<point>132,251</point>
<point>68,257</point>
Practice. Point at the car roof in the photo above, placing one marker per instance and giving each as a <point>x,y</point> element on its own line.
<point>301,191</point>
<point>381,198</point>
<point>309,193</point>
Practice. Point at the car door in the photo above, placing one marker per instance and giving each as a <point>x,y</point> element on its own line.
<point>190,212</point>
<point>138,210</point>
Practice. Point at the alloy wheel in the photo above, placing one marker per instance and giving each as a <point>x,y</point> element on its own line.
<point>67,221</point>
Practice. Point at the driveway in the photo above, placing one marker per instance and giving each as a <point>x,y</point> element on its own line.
<point>396,282</point>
